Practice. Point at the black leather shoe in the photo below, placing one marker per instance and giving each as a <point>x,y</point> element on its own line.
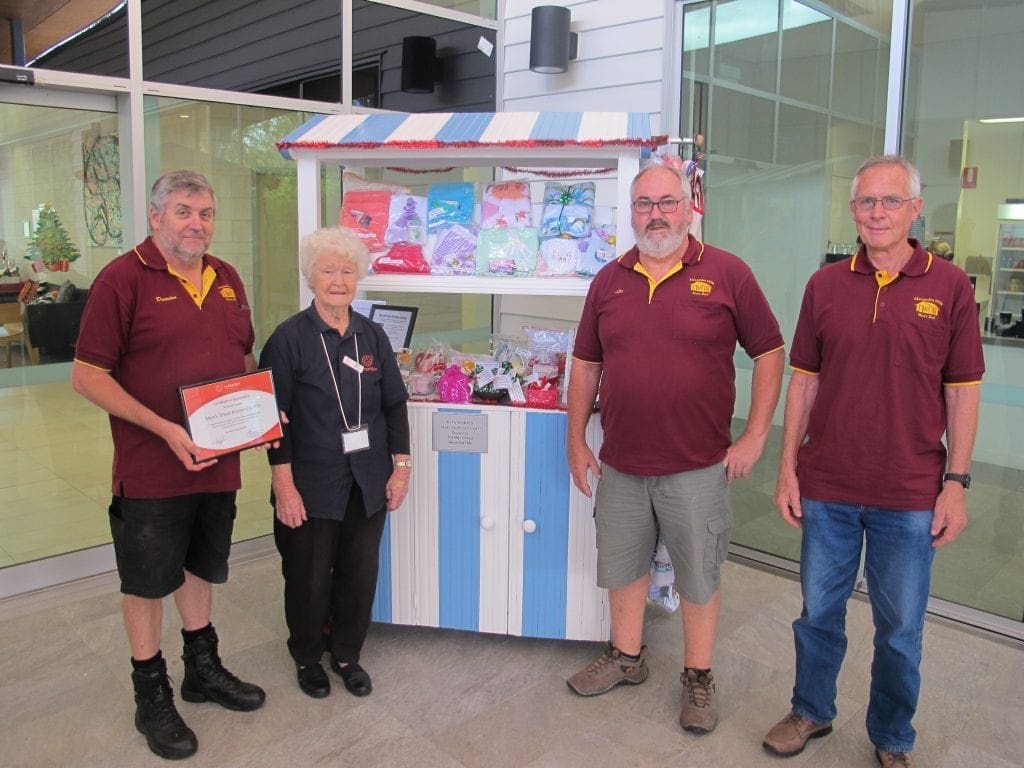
<point>313,680</point>
<point>207,680</point>
<point>357,681</point>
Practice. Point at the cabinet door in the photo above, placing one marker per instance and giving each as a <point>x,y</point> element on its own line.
<point>499,541</point>
<point>552,547</point>
<point>444,560</point>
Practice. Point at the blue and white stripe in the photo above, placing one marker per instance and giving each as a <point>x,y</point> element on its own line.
<point>498,541</point>
<point>399,130</point>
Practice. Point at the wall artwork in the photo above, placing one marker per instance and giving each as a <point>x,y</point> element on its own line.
<point>101,163</point>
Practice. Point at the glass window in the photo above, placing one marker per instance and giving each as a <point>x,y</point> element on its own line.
<point>463,75</point>
<point>806,54</point>
<point>60,212</point>
<point>91,38</point>
<point>746,35</point>
<point>861,57</point>
<point>256,229</point>
<point>697,39</point>
<point>484,8</point>
<point>58,177</point>
<point>239,46</point>
<point>778,171</point>
<point>743,126</point>
<point>973,170</point>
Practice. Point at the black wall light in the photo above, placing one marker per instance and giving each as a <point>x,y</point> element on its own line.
<point>552,45</point>
<point>419,64</point>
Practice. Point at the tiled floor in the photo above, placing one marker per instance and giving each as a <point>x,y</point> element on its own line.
<point>444,699</point>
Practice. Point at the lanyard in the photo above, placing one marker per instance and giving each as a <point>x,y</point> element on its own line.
<point>334,379</point>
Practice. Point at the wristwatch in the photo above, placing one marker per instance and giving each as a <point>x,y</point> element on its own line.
<point>407,463</point>
<point>964,480</point>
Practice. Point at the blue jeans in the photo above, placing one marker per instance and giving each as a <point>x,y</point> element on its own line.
<point>898,562</point>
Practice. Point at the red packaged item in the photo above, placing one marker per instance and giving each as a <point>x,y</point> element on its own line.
<point>402,257</point>
<point>542,394</point>
<point>365,212</point>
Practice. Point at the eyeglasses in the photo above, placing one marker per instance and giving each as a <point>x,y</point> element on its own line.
<point>889,202</point>
<point>665,205</point>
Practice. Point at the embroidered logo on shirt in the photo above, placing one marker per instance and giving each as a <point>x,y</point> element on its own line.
<point>700,286</point>
<point>165,298</point>
<point>227,293</point>
<point>619,290</point>
<point>367,362</point>
<point>927,308</point>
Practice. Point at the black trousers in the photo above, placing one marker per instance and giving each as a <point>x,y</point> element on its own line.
<point>330,576</point>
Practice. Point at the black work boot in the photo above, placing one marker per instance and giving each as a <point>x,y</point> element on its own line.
<point>157,719</point>
<point>207,680</point>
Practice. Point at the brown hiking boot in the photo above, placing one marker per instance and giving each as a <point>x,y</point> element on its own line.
<point>609,671</point>
<point>790,735</point>
<point>700,711</point>
<point>894,759</point>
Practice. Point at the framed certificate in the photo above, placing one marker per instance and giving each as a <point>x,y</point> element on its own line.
<point>232,413</point>
<point>398,323</point>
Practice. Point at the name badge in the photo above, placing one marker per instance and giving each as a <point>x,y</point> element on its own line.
<point>352,364</point>
<point>356,440</point>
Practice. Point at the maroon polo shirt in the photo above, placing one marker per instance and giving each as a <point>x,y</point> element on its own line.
<point>668,384</point>
<point>882,354</point>
<point>141,324</point>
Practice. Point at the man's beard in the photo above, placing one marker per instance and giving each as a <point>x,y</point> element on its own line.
<point>659,243</point>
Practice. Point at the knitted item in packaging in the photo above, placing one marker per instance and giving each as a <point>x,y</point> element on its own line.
<point>506,204</point>
<point>365,212</point>
<point>449,203</point>
<point>454,251</point>
<point>506,251</point>
<point>407,220</point>
<point>568,209</point>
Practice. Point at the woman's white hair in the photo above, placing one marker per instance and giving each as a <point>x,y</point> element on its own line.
<point>333,241</point>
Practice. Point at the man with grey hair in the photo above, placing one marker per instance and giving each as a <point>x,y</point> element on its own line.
<point>163,315</point>
<point>895,328</point>
<point>657,336</point>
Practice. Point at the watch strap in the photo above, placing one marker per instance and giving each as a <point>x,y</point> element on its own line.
<point>964,480</point>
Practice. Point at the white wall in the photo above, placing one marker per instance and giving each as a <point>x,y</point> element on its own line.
<point>620,66</point>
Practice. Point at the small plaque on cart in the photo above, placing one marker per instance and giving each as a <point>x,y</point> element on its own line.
<point>464,431</point>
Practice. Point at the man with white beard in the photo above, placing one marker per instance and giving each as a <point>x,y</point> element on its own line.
<point>657,337</point>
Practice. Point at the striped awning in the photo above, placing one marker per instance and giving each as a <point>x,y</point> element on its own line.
<point>458,130</point>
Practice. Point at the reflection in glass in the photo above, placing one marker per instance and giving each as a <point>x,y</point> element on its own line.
<point>86,37</point>
<point>806,54</point>
<point>971,169</point>
<point>239,46</point>
<point>464,76</point>
<point>67,160</point>
<point>256,228</point>
<point>484,8</point>
<point>747,42</point>
<point>862,60</point>
<point>742,126</point>
<point>697,39</point>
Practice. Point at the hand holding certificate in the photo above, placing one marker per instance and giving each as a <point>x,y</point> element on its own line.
<point>231,414</point>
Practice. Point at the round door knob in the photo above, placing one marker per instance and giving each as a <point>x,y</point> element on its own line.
<point>487,523</point>
<point>529,526</point>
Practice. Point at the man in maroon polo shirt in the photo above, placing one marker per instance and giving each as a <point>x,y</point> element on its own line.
<point>886,359</point>
<point>163,315</point>
<point>658,334</point>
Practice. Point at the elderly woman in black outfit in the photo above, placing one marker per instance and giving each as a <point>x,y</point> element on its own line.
<point>343,462</point>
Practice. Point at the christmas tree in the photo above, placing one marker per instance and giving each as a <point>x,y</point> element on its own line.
<point>50,243</point>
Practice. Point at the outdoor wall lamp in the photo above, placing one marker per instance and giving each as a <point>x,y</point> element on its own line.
<point>552,45</point>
